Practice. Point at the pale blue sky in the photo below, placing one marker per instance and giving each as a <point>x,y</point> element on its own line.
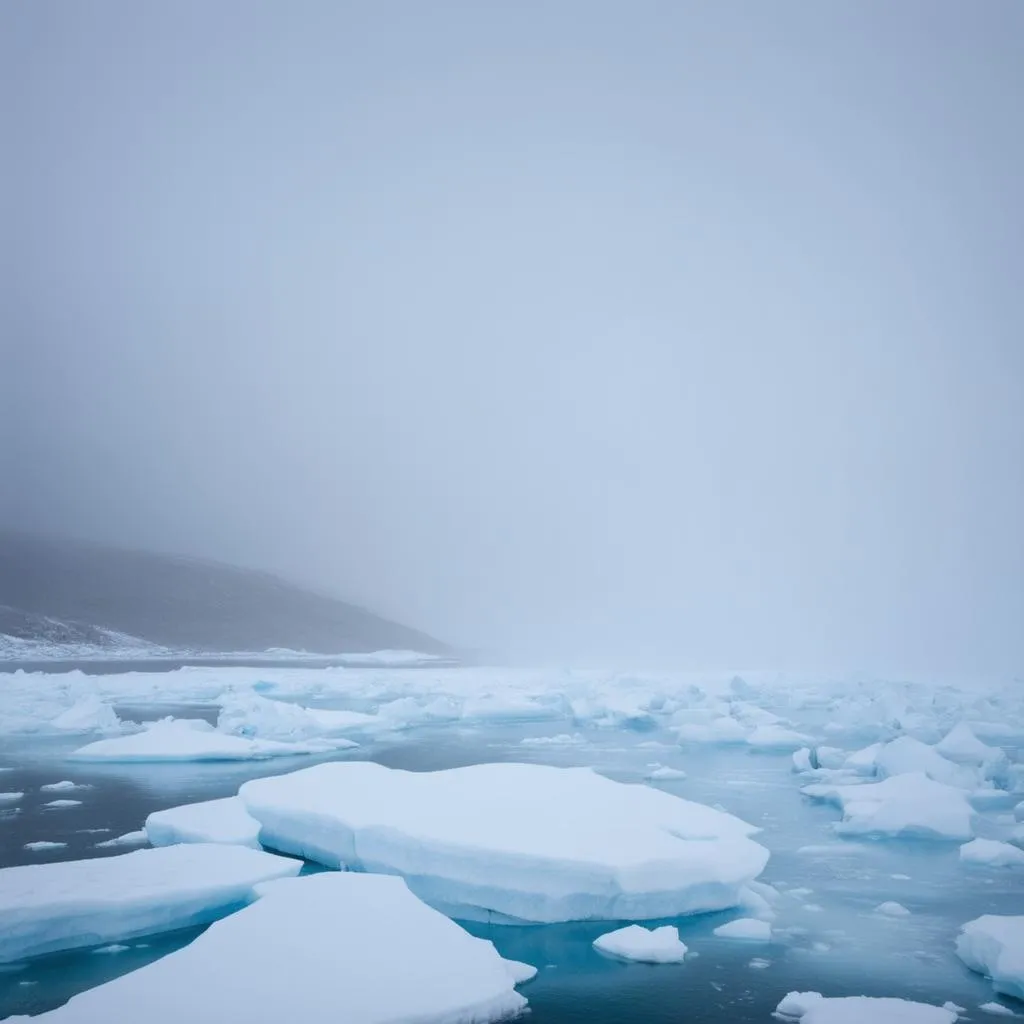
<point>650,333</point>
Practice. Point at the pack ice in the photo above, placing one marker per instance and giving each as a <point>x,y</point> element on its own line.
<point>324,949</point>
<point>49,907</point>
<point>903,805</point>
<point>212,821</point>
<point>993,945</point>
<point>182,739</point>
<point>530,842</point>
<point>814,1008</point>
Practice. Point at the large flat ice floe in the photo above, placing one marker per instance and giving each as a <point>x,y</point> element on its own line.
<point>814,1008</point>
<point>181,739</point>
<point>325,949</point>
<point>530,842</point>
<point>212,821</point>
<point>993,945</point>
<point>50,907</point>
<point>911,805</point>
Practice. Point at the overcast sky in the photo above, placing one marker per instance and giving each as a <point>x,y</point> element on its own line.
<point>684,334</point>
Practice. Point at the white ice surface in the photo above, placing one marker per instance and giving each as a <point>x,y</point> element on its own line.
<point>49,907</point>
<point>812,1008</point>
<point>993,945</point>
<point>137,838</point>
<point>646,945</point>
<point>991,853</point>
<point>179,739</point>
<point>212,821</point>
<point>961,745</point>
<point>531,842</point>
<point>252,716</point>
<point>747,929</point>
<point>333,948</point>
<point>911,805</point>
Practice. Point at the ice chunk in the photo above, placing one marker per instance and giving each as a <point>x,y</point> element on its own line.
<point>527,841</point>
<point>128,839</point>
<point>114,947</point>
<point>775,737</point>
<point>665,774</point>
<point>803,760</point>
<point>47,907</point>
<point>863,760</point>
<point>647,945</point>
<point>90,714</point>
<point>906,755</point>
<point>892,909</point>
<point>254,717</point>
<point>904,805</point>
<point>991,853</point>
<point>748,929</point>
<point>179,739</point>
<point>57,804</point>
<point>961,745</point>
<point>997,1010</point>
<point>61,787</point>
<point>812,1008</point>
<point>993,945</point>
<point>39,847</point>
<point>212,821</point>
<point>10,798</point>
<point>328,948</point>
<point>563,739</point>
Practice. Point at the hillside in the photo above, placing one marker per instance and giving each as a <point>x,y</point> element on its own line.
<point>59,590</point>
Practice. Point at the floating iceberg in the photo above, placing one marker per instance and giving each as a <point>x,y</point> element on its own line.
<point>910,805</point>
<point>328,948</point>
<point>994,946</point>
<point>90,714</point>
<point>814,1008</point>
<point>531,842</point>
<point>646,945</point>
<point>748,929</point>
<point>991,853</point>
<point>254,717</point>
<point>212,821</point>
<point>907,755</point>
<point>776,737</point>
<point>180,739</point>
<point>49,907</point>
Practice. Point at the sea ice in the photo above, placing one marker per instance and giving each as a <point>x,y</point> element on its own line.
<point>61,787</point>
<point>910,805</point>
<point>180,739</point>
<point>212,821</point>
<point>57,804</point>
<point>748,929</point>
<point>531,842</point>
<point>90,714</point>
<point>991,853</point>
<point>323,949</point>
<point>647,945</point>
<point>813,1008</point>
<point>907,755</point>
<point>38,847</point>
<point>128,839</point>
<point>48,907</point>
<point>993,945</point>
<point>775,737</point>
<point>718,730</point>
<point>665,774</point>
<point>997,1010</point>
<point>10,798</point>
<point>961,745</point>
<point>892,909</point>
<point>254,717</point>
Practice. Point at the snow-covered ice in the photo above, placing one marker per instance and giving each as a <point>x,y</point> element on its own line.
<point>252,716</point>
<point>49,907</point>
<point>328,948</point>
<point>530,842</point>
<point>10,798</point>
<point>646,945</point>
<point>890,908</point>
<point>993,945</point>
<point>747,929</point>
<point>663,773</point>
<point>40,846</point>
<point>911,805</point>
<point>991,853</point>
<point>137,838</point>
<point>67,786</point>
<point>181,739</point>
<point>212,821</point>
<point>813,1008</point>
<point>996,1010</point>
<point>776,737</point>
<point>57,804</point>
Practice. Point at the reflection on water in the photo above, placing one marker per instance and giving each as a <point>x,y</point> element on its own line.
<point>827,936</point>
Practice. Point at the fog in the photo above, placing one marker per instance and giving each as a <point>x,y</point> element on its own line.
<point>646,334</point>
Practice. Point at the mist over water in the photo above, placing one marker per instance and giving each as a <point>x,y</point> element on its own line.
<point>670,334</point>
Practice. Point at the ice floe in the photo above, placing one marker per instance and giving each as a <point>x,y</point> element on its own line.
<point>646,945</point>
<point>328,948</point>
<point>993,945</point>
<point>212,821</point>
<point>814,1008</point>
<point>49,907</point>
<point>991,853</point>
<point>530,842</point>
<point>747,929</point>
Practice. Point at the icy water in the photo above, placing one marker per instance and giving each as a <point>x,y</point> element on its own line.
<point>827,936</point>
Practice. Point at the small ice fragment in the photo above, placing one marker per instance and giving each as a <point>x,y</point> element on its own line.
<point>10,798</point>
<point>997,1010</point>
<point>758,964</point>
<point>128,839</point>
<point>652,946</point>
<point>991,853</point>
<point>43,845</point>
<point>56,804</point>
<point>664,774</point>
<point>747,929</point>
<point>61,787</point>
<point>112,948</point>
<point>892,909</point>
